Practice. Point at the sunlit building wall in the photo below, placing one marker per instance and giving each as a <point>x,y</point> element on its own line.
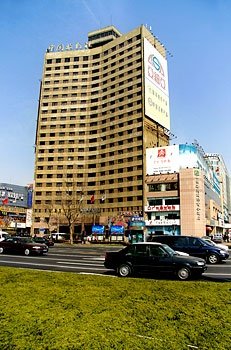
<point>100,106</point>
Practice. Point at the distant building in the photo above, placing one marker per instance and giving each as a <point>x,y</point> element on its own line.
<point>101,105</point>
<point>15,206</point>
<point>217,163</point>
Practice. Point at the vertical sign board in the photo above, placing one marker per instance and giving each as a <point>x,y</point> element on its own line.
<point>156,85</point>
<point>192,202</point>
<point>28,217</point>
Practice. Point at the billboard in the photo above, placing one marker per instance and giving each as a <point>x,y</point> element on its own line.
<point>173,158</point>
<point>162,160</point>
<point>98,229</point>
<point>156,85</point>
<point>13,195</point>
<point>117,229</point>
<point>170,159</point>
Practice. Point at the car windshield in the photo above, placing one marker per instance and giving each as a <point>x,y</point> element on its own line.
<point>27,240</point>
<point>209,242</point>
<point>169,250</point>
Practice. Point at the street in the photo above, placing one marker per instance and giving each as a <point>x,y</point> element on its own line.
<point>89,259</point>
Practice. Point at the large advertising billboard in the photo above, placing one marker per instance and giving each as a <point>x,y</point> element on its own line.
<point>13,195</point>
<point>162,159</point>
<point>156,85</point>
<point>173,158</point>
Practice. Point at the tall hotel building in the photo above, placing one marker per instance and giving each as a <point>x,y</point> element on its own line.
<point>100,107</point>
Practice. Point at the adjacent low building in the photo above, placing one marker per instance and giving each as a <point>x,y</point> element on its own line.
<point>183,193</point>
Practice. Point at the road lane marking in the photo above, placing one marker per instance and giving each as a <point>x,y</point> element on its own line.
<point>214,274</point>
<point>54,259</point>
<point>101,268</point>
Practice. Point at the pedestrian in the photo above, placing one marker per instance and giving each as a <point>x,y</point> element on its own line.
<point>83,237</point>
<point>226,237</point>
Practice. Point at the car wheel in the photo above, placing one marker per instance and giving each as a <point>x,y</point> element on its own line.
<point>124,270</point>
<point>1,250</point>
<point>213,259</point>
<point>27,252</point>
<point>183,273</point>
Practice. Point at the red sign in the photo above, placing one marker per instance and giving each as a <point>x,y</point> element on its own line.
<point>161,153</point>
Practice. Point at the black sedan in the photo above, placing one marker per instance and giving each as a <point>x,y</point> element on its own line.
<point>153,258</point>
<point>45,240</point>
<point>22,245</point>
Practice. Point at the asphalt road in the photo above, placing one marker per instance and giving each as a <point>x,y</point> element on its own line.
<point>89,259</point>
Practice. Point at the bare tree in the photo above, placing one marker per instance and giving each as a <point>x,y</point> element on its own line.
<point>50,216</point>
<point>71,204</point>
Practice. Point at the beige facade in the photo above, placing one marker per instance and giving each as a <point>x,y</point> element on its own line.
<point>176,203</point>
<point>192,202</point>
<point>92,131</point>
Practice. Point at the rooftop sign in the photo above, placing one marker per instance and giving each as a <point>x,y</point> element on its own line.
<point>67,47</point>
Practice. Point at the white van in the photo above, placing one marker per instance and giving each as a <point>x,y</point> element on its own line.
<point>60,236</point>
<point>3,235</point>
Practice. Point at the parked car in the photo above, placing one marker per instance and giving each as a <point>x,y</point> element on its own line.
<point>3,235</point>
<point>194,246</point>
<point>219,245</point>
<point>217,238</point>
<point>153,258</point>
<point>22,245</point>
<point>45,240</point>
<point>60,236</point>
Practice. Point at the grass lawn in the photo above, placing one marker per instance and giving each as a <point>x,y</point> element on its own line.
<point>55,310</point>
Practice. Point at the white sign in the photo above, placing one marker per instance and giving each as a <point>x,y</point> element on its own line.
<point>162,159</point>
<point>29,218</point>
<point>163,222</point>
<point>157,208</point>
<point>17,225</point>
<point>156,85</point>
<point>68,47</point>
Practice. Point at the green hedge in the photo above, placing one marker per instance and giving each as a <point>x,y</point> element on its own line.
<point>49,310</point>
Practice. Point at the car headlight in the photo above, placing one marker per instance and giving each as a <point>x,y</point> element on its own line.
<point>200,263</point>
<point>222,252</point>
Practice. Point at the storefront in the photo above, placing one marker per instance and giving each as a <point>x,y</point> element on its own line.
<point>136,229</point>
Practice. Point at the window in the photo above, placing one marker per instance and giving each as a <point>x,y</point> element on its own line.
<point>182,242</point>
<point>157,251</point>
<point>171,201</point>
<point>139,250</point>
<point>154,202</point>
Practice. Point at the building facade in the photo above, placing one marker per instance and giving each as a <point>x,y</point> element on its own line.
<point>184,195</point>
<point>100,107</point>
<point>217,163</point>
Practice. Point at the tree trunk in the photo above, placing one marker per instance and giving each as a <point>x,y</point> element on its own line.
<point>71,233</point>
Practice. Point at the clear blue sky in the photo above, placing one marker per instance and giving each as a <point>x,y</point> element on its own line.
<point>196,32</point>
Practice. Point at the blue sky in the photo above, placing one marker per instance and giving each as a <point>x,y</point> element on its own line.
<point>196,32</point>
